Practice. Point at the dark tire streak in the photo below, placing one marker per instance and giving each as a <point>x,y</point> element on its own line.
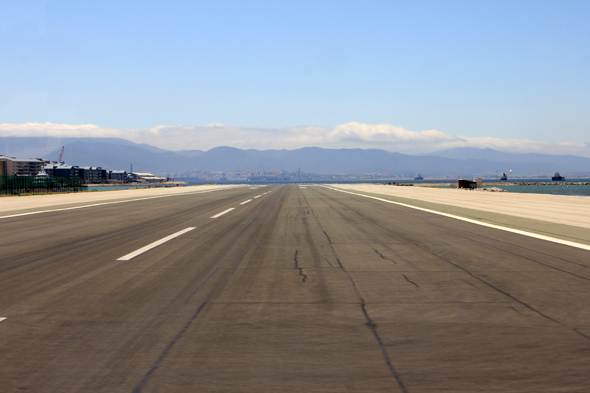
<point>480,279</point>
<point>138,388</point>
<point>369,321</point>
<point>513,253</point>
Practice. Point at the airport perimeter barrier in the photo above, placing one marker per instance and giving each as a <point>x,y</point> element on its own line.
<point>15,185</point>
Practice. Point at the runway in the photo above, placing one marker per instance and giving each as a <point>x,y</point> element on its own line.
<point>286,289</point>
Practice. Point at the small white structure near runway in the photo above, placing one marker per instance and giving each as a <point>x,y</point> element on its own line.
<point>145,178</point>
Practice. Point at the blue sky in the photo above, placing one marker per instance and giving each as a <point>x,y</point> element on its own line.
<point>501,69</point>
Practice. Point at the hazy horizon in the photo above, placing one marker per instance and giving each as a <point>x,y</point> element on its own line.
<point>352,135</point>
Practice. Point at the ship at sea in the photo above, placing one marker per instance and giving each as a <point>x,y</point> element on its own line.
<point>504,176</point>
<point>557,177</point>
<point>418,177</point>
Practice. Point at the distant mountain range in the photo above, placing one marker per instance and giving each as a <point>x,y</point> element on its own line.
<point>114,153</point>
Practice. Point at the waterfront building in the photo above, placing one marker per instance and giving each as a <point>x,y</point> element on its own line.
<point>118,175</point>
<point>58,169</point>
<point>12,166</point>
<point>93,174</point>
<point>143,177</point>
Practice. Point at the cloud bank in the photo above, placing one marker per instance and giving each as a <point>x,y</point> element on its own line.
<point>350,135</point>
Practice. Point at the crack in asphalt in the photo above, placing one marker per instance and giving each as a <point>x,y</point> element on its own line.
<point>410,281</point>
<point>384,257</point>
<point>138,388</point>
<point>363,305</point>
<point>411,241</point>
<point>297,266</point>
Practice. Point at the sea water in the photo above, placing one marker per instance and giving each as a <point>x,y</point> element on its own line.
<point>555,189</point>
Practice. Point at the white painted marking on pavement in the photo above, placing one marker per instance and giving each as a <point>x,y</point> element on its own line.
<point>243,203</point>
<point>223,212</point>
<point>154,244</point>
<point>258,196</point>
<point>484,224</point>
<point>2,318</point>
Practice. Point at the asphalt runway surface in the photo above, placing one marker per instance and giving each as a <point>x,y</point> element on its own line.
<point>297,289</point>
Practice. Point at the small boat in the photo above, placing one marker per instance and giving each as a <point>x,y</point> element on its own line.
<point>418,177</point>
<point>504,176</point>
<point>557,177</point>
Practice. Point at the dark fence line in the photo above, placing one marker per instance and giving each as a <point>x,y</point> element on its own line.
<point>14,185</point>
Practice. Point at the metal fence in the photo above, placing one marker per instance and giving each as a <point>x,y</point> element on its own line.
<point>14,185</point>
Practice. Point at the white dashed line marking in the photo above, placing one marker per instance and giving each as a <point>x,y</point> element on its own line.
<point>154,244</point>
<point>243,203</point>
<point>223,212</point>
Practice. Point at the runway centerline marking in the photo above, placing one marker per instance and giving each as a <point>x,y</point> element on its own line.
<point>2,318</point>
<point>484,224</point>
<point>257,196</point>
<point>243,203</point>
<point>223,212</point>
<point>154,244</point>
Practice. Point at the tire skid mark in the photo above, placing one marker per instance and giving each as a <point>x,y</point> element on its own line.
<point>222,283</point>
<point>369,321</point>
<point>522,256</point>
<point>409,241</point>
<point>468,283</point>
<point>201,286</point>
<point>170,345</point>
<point>329,263</point>
<point>516,309</point>
<point>509,295</point>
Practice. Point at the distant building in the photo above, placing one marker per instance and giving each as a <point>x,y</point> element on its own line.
<point>118,175</point>
<point>93,174</point>
<point>145,178</point>
<point>12,166</point>
<point>58,169</point>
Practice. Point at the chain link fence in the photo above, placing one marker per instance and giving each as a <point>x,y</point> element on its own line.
<point>15,185</point>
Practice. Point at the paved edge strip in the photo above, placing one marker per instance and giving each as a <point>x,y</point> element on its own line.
<point>154,244</point>
<point>485,224</point>
<point>223,212</point>
<point>112,203</point>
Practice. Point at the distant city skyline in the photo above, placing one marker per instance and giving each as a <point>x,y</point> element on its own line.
<point>403,76</point>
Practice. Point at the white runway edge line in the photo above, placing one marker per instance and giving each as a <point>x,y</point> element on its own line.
<point>112,203</point>
<point>484,224</point>
<point>243,203</point>
<point>154,244</point>
<point>223,212</point>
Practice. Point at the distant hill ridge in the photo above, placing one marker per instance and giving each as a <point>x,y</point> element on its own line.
<point>114,153</point>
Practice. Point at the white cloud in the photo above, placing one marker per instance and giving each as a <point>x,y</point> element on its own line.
<point>349,135</point>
